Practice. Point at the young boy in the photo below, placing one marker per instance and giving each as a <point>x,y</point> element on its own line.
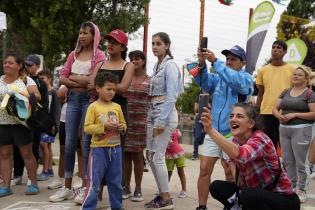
<point>45,139</point>
<point>105,122</point>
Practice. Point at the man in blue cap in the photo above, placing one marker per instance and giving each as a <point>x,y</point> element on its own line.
<point>229,84</point>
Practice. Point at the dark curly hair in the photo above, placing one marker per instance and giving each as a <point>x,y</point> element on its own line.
<point>102,77</point>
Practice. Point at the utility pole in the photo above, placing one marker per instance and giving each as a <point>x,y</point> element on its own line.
<point>145,30</point>
<point>202,19</point>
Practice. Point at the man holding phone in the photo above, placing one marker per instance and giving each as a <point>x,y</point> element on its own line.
<point>228,84</point>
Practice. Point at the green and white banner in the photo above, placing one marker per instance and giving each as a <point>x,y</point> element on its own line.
<point>258,27</point>
<point>296,51</point>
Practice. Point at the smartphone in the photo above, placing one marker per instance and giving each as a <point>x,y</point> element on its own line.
<point>203,44</point>
<point>203,102</point>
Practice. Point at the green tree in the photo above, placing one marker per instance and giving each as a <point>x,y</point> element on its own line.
<point>50,27</point>
<point>185,103</point>
<point>301,8</point>
<point>298,13</point>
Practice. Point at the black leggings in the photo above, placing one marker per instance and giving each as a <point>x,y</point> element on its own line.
<point>253,198</point>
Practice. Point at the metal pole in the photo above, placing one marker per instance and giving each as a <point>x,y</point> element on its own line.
<point>145,30</point>
<point>202,19</point>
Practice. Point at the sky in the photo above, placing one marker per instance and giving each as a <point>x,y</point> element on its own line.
<point>225,26</point>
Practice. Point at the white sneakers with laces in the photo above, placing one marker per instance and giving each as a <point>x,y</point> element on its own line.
<point>62,194</point>
<point>302,195</point>
<point>57,183</point>
<point>80,196</point>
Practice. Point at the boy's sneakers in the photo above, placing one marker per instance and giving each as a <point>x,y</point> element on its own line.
<point>80,196</point>
<point>43,176</point>
<point>62,194</point>
<point>32,189</point>
<point>5,191</point>
<point>57,183</point>
<point>137,197</point>
<point>182,194</point>
<point>160,204</point>
<point>50,172</point>
<point>126,193</point>
<point>17,180</point>
<point>77,185</point>
<point>302,196</point>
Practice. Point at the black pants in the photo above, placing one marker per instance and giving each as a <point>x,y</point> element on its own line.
<point>18,161</point>
<point>270,127</point>
<point>253,198</point>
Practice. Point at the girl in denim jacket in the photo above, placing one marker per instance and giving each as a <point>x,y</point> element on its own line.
<point>165,87</point>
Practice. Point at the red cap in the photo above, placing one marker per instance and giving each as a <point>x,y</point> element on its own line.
<point>119,36</point>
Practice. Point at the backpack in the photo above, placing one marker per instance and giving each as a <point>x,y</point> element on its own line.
<point>40,120</point>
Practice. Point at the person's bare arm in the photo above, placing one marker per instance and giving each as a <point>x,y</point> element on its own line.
<point>125,82</point>
<point>260,95</point>
<point>311,153</point>
<point>34,89</point>
<point>82,80</point>
<point>70,83</point>
<point>62,93</point>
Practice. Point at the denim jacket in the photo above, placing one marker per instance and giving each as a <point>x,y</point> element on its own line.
<point>225,85</point>
<point>166,81</point>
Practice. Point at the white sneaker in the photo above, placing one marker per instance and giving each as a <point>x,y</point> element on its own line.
<point>302,196</point>
<point>57,183</point>
<point>80,196</point>
<point>62,194</point>
<point>16,181</point>
<point>312,176</point>
<point>77,185</point>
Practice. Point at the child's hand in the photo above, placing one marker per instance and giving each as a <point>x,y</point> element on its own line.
<point>110,126</point>
<point>120,127</point>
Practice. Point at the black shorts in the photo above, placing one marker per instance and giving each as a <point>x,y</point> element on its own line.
<point>15,135</point>
<point>62,135</point>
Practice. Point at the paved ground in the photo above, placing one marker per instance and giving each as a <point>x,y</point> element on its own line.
<point>19,201</point>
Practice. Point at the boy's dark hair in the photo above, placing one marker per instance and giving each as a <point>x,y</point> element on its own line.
<point>103,77</point>
<point>282,44</point>
<point>46,73</point>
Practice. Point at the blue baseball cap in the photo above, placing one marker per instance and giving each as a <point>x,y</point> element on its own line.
<point>236,50</point>
<point>32,59</point>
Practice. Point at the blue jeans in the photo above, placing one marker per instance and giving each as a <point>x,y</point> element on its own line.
<point>199,136</point>
<point>78,103</point>
<point>104,162</point>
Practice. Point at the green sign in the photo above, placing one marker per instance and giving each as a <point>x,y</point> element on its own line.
<point>261,18</point>
<point>296,51</point>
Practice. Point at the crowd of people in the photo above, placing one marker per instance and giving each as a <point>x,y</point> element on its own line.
<point>118,119</point>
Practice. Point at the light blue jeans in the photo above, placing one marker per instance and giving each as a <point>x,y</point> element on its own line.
<point>157,146</point>
<point>78,103</point>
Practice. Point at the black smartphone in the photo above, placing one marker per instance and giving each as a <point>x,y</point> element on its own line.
<point>203,102</point>
<point>203,44</point>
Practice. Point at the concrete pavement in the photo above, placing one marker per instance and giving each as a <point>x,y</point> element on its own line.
<point>19,201</point>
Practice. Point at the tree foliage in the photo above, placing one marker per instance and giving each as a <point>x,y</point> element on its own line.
<point>50,27</point>
<point>298,13</point>
<point>185,102</point>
